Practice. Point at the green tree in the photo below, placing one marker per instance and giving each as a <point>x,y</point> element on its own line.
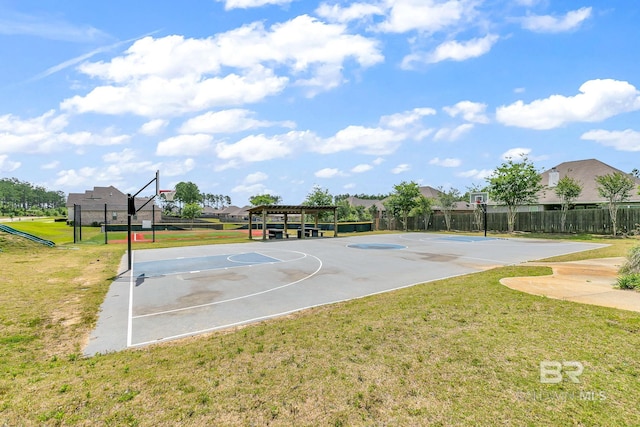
<point>319,197</point>
<point>403,200</point>
<point>187,192</point>
<point>447,201</point>
<point>374,213</point>
<point>567,190</point>
<point>616,188</point>
<point>265,199</point>
<point>514,184</point>
<point>191,211</point>
<point>478,210</point>
<point>423,209</point>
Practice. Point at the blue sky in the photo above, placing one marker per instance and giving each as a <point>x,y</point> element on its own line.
<point>246,97</point>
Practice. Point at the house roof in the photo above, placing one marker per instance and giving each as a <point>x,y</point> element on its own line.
<point>366,203</point>
<point>96,198</point>
<point>585,172</point>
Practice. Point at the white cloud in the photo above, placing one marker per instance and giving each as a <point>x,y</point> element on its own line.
<point>173,75</point>
<point>424,15</point>
<point>48,27</point>
<point>476,173</point>
<point>361,168</point>
<point>447,163</point>
<point>598,100</point>
<point>7,165</point>
<point>404,167</point>
<point>516,153</point>
<point>252,184</point>
<point>177,167</point>
<point>353,12</point>
<point>258,148</point>
<point>185,145</point>
<point>625,140</point>
<point>45,134</point>
<point>154,95</point>
<point>246,4</point>
<point>552,24</point>
<point>374,141</point>
<point>255,177</point>
<point>406,118</point>
<point>125,155</point>
<point>452,50</point>
<point>152,127</point>
<point>452,134</point>
<point>378,161</point>
<point>51,165</point>
<point>227,121</point>
<point>471,111</point>
<point>328,173</point>
<point>250,189</point>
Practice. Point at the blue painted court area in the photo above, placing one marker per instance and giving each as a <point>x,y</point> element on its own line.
<point>466,239</point>
<point>377,246</point>
<point>206,263</point>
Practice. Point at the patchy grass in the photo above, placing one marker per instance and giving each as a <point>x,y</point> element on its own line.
<point>462,351</point>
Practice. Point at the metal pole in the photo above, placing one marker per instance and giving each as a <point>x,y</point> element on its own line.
<point>484,209</point>
<point>129,236</point>
<point>153,222</point>
<point>75,223</point>
<point>106,240</point>
<point>80,225</point>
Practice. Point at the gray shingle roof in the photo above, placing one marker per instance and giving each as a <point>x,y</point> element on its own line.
<point>585,172</point>
<point>95,199</point>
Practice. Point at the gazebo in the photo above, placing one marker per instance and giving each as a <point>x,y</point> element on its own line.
<point>286,210</point>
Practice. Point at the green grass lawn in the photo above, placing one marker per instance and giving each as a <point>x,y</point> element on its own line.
<point>461,351</point>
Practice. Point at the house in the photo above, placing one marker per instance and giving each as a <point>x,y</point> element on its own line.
<point>585,173</point>
<point>95,204</point>
<point>427,191</point>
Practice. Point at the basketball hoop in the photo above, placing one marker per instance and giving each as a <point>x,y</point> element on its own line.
<point>168,195</point>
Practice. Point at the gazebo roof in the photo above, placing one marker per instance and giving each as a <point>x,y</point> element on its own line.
<point>290,209</point>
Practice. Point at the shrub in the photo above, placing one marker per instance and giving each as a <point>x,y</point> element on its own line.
<point>632,265</point>
<point>629,281</point>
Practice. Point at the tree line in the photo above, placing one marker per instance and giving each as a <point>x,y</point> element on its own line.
<point>514,183</point>
<point>18,198</point>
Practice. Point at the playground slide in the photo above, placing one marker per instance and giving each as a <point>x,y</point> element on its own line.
<point>36,239</point>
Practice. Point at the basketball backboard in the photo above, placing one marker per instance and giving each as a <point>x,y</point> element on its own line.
<point>479,198</point>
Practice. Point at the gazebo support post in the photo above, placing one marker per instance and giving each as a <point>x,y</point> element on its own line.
<point>264,224</point>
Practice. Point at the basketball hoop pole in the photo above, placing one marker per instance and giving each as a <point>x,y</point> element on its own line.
<point>131,210</point>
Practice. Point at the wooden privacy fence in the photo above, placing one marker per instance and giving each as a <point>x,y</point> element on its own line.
<point>594,221</point>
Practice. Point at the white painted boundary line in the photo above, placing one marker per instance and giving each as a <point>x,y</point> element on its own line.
<point>284,313</point>
<point>130,312</point>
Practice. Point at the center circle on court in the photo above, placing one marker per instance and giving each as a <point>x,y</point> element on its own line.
<point>376,246</point>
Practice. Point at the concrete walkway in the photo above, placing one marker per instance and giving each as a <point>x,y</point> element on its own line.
<point>588,282</point>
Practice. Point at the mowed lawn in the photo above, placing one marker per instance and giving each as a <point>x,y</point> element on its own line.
<point>462,351</point>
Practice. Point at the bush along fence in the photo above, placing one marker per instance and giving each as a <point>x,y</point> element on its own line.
<point>590,221</point>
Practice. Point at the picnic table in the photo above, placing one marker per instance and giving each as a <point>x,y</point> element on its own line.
<point>276,233</point>
<point>310,232</point>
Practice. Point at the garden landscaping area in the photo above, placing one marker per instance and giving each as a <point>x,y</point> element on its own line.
<point>461,351</point>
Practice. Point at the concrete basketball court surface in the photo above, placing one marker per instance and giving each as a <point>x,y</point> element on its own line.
<point>178,292</point>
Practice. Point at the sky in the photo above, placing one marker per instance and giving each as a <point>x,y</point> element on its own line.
<point>248,97</point>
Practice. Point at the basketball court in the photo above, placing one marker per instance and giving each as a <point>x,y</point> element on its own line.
<point>178,292</point>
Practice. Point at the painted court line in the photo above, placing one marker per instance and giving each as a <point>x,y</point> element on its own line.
<point>286,285</point>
